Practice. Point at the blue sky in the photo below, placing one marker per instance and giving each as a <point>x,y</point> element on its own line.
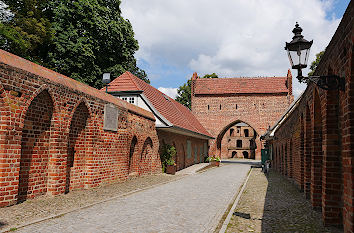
<point>233,38</point>
<point>338,9</point>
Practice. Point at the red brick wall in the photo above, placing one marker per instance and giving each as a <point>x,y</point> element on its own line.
<point>322,127</point>
<point>35,147</point>
<point>258,111</point>
<point>52,138</point>
<point>179,141</point>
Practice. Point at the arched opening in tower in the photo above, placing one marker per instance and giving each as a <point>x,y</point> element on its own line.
<point>237,140</point>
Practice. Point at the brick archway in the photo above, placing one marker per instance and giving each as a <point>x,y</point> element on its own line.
<point>216,148</point>
<point>35,144</point>
<point>302,154</point>
<point>317,152</point>
<point>307,152</point>
<point>76,149</point>
<point>146,155</point>
<point>132,152</point>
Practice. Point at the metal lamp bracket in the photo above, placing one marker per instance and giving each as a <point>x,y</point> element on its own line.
<point>330,82</point>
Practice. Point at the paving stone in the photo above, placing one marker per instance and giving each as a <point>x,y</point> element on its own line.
<point>272,204</point>
<point>194,203</point>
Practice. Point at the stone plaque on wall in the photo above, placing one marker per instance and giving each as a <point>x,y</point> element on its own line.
<point>111,114</point>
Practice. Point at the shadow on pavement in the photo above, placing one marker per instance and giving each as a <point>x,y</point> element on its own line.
<point>287,210</point>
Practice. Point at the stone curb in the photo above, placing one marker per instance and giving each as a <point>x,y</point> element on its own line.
<point>11,229</point>
<point>213,225</point>
<point>228,218</point>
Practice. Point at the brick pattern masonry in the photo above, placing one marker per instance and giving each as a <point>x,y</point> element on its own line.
<point>52,138</point>
<point>219,112</point>
<point>314,146</point>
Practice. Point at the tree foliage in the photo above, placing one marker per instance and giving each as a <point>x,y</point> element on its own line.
<point>167,156</point>
<point>184,91</point>
<point>315,63</point>
<point>213,75</point>
<point>184,94</point>
<point>81,39</point>
<point>28,33</point>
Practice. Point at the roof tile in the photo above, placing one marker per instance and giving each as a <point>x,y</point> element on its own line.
<point>173,111</point>
<point>264,85</point>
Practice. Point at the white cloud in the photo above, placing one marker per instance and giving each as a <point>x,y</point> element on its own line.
<point>170,91</point>
<point>229,37</point>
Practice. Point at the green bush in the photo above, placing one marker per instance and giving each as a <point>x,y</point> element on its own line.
<point>167,157</point>
<point>213,158</point>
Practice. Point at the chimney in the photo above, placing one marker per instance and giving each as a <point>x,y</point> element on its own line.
<point>290,83</point>
<point>193,80</point>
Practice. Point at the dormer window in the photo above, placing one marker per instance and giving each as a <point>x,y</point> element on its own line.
<point>124,98</point>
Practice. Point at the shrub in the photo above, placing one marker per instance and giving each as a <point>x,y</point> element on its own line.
<point>167,157</point>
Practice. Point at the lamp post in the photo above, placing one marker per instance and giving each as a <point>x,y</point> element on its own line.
<point>298,51</point>
<point>106,79</point>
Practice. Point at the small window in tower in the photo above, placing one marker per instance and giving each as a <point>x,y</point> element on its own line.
<point>208,107</point>
<point>239,143</point>
<point>246,132</point>
<point>220,106</point>
<point>232,132</point>
<point>236,106</point>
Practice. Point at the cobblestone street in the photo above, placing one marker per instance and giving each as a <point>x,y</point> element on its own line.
<point>273,204</point>
<point>194,203</point>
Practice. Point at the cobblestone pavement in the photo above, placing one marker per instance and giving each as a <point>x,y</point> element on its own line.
<point>194,203</point>
<point>273,204</point>
<point>44,206</point>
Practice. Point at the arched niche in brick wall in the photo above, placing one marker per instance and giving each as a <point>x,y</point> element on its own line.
<point>35,145</point>
<point>307,152</point>
<point>302,153</point>
<point>132,151</point>
<point>224,132</point>
<point>146,155</point>
<point>317,152</point>
<point>76,148</point>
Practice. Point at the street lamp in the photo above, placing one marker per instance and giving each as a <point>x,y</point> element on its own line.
<point>298,51</point>
<point>106,79</point>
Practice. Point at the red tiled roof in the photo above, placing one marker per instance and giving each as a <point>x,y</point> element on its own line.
<point>173,111</point>
<point>264,85</point>
<point>23,64</point>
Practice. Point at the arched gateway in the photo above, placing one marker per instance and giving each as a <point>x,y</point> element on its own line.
<point>237,140</point>
<point>221,103</point>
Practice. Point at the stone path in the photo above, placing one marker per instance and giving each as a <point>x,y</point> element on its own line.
<point>195,203</point>
<point>42,207</point>
<point>273,204</point>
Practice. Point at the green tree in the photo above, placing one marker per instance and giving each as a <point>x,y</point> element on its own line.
<point>184,94</point>
<point>92,38</point>
<point>81,39</point>
<point>315,63</point>
<point>213,75</point>
<point>28,32</point>
<point>184,91</point>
